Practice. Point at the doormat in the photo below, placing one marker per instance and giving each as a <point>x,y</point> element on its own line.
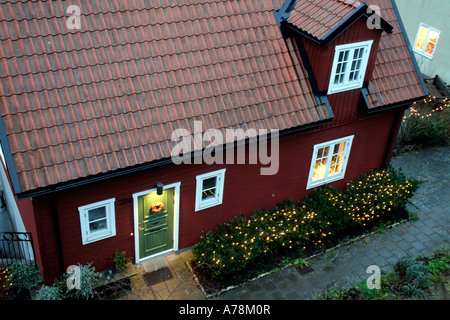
<point>157,276</point>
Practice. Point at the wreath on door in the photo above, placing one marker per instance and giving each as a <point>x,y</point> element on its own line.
<point>157,206</point>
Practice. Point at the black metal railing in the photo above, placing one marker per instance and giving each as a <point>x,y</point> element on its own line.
<point>16,246</point>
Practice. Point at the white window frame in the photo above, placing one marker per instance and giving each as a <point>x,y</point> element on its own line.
<point>2,156</point>
<point>201,204</point>
<point>426,40</point>
<point>338,176</point>
<point>110,231</point>
<point>346,72</point>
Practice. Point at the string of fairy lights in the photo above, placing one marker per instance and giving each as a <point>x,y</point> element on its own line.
<point>5,283</point>
<point>373,197</point>
<point>236,242</point>
<point>427,107</point>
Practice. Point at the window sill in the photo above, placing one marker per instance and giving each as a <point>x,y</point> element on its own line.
<point>423,54</point>
<point>91,239</point>
<point>204,206</point>
<point>316,184</point>
<point>344,89</point>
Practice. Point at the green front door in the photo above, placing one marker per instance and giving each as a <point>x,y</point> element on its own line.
<point>155,222</point>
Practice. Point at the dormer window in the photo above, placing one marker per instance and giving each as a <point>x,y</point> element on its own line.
<point>349,66</point>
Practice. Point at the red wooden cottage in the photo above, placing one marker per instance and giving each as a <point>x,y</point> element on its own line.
<point>92,97</point>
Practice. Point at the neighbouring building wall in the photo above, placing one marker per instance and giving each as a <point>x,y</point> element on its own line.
<point>20,211</point>
<point>434,14</point>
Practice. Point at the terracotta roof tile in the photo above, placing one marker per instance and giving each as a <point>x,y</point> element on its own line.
<point>76,103</point>
<point>319,17</point>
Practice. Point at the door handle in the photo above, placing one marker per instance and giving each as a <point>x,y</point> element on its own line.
<point>141,229</point>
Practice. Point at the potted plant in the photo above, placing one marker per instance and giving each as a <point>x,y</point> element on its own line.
<point>120,260</point>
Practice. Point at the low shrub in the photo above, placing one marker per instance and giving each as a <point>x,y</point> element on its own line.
<point>49,293</point>
<point>373,196</point>
<point>358,292</point>
<point>238,242</point>
<point>24,276</point>
<point>324,214</point>
<point>426,123</point>
<point>87,279</point>
<point>410,279</point>
<point>439,265</point>
<point>79,283</point>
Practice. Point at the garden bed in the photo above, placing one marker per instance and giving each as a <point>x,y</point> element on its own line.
<point>247,247</point>
<point>213,286</point>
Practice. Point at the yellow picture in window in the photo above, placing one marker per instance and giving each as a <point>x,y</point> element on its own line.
<point>432,39</point>
<point>421,37</point>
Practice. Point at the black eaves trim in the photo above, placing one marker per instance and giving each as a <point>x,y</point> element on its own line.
<point>49,190</point>
<point>397,105</point>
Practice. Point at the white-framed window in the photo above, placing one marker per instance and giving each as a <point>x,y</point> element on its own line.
<point>349,66</point>
<point>209,190</point>
<point>98,221</point>
<point>329,161</point>
<point>426,40</point>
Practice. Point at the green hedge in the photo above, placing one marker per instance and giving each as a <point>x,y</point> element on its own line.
<point>326,213</point>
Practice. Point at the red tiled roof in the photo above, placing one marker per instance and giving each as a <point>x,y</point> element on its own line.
<point>395,77</point>
<point>317,18</point>
<point>77,103</point>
